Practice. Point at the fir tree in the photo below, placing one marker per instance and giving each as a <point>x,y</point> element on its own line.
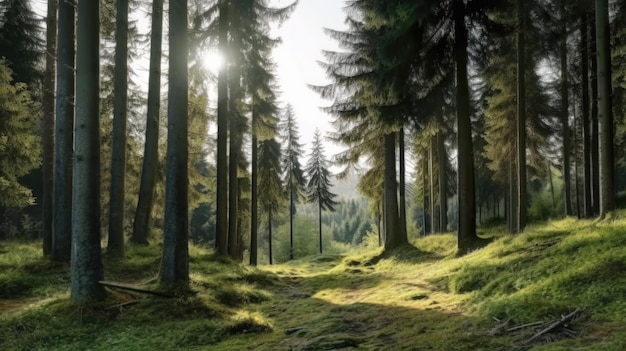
<point>293,178</point>
<point>318,186</point>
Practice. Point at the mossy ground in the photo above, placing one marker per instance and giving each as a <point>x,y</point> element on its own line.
<point>420,297</point>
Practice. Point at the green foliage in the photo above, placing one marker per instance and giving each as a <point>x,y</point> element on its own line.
<point>20,143</point>
<point>423,295</point>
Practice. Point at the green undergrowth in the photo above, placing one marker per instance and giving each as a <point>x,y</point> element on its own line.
<point>422,296</point>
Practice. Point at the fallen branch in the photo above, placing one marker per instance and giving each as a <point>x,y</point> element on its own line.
<point>123,304</point>
<point>523,326</point>
<point>562,322</point>
<point>132,288</point>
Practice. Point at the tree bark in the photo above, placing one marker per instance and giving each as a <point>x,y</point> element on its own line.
<point>64,137</point>
<point>595,151</point>
<point>434,227</point>
<point>319,219</point>
<point>254,210</point>
<point>269,230</point>
<point>118,146</point>
<point>393,235</point>
<point>567,193</point>
<point>221,220</point>
<point>586,120</point>
<point>86,269</point>
<point>141,224</point>
<point>402,184</point>
<point>48,128</point>
<point>442,158</point>
<point>605,113</point>
<point>175,261</point>
<point>521,118</point>
<point>467,238</point>
<point>235,128</point>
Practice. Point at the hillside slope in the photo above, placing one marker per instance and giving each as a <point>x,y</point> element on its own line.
<point>422,297</point>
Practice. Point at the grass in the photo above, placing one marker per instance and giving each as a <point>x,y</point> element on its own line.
<point>420,297</point>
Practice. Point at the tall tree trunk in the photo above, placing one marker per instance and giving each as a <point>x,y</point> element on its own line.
<point>269,232</point>
<point>86,268</point>
<point>48,127</point>
<point>551,185</point>
<point>291,205</point>
<point>605,111</point>
<point>319,219</point>
<point>567,193</point>
<point>141,224</point>
<point>393,234</point>
<point>442,158</point>
<point>235,128</point>
<point>434,228</point>
<point>118,146</point>
<point>221,219</point>
<point>467,238</point>
<point>586,121</point>
<point>254,210</point>
<point>595,150</point>
<point>175,261</point>
<point>64,137</point>
<point>402,185</point>
<point>513,197</point>
<point>521,118</point>
<point>576,177</point>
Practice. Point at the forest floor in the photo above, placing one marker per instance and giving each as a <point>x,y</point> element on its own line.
<point>559,286</point>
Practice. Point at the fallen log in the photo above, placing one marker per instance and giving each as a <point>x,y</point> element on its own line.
<point>134,289</point>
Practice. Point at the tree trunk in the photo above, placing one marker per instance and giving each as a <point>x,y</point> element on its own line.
<point>605,112</point>
<point>442,159</point>
<point>64,137</point>
<point>434,228</point>
<point>269,230</point>
<point>513,198</point>
<point>393,234</point>
<point>254,210</point>
<point>467,238</point>
<point>319,220</point>
<point>48,128</point>
<point>291,204</point>
<point>576,177</point>
<point>141,225</point>
<point>221,220</point>
<point>521,118</point>
<point>118,146</point>
<point>586,121</point>
<point>175,261</point>
<point>86,269</point>
<point>595,151</point>
<point>402,185</point>
<point>567,193</point>
<point>551,185</point>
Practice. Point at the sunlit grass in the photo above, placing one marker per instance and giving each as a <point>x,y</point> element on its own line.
<point>424,294</point>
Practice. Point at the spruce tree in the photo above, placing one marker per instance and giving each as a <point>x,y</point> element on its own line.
<point>64,129</point>
<point>318,185</point>
<point>149,170</point>
<point>272,197</point>
<point>175,263</point>
<point>86,259</point>
<point>21,42</point>
<point>293,178</point>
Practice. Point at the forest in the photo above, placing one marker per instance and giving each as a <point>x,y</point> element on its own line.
<point>155,197</point>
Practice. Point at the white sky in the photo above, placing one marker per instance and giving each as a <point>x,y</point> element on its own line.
<point>303,40</point>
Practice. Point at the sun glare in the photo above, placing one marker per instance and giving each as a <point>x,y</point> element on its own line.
<point>212,61</point>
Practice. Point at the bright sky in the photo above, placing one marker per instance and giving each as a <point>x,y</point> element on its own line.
<point>303,40</point>
<point>296,58</point>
